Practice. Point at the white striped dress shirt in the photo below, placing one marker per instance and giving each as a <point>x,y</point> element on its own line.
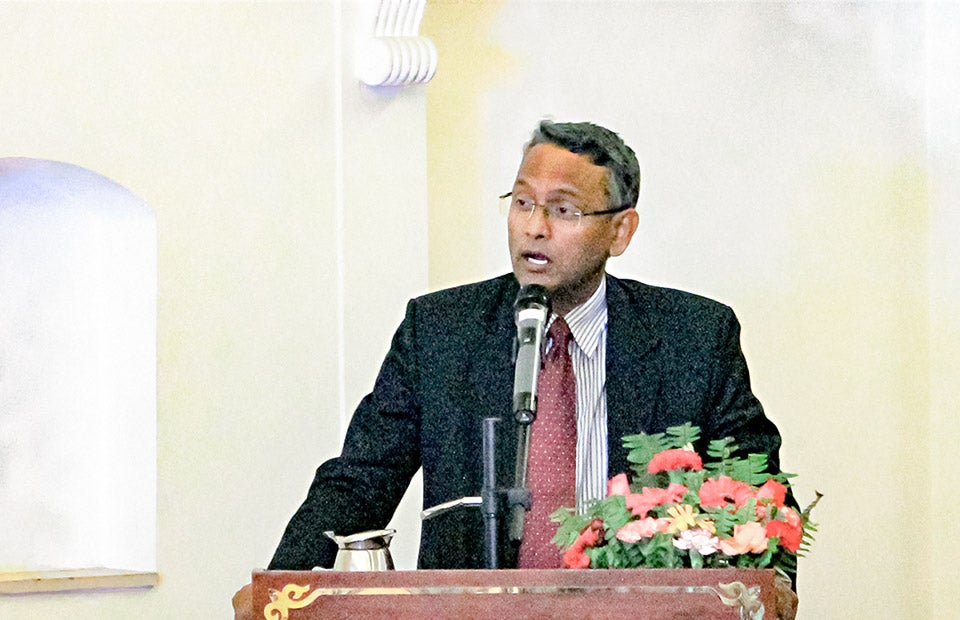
<point>588,351</point>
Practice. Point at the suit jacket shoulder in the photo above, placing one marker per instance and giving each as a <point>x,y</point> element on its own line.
<point>675,357</point>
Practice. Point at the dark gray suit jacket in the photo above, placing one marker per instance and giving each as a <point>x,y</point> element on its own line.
<point>672,357</point>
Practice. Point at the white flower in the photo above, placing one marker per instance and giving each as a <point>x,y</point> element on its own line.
<point>701,541</point>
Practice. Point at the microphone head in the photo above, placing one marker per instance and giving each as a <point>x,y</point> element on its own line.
<point>532,296</point>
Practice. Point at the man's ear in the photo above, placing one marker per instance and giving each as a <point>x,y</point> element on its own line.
<point>624,225</point>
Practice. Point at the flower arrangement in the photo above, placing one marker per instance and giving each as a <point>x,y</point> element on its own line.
<point>680,512</point>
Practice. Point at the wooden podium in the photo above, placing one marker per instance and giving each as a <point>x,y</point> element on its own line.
<point>651,594</point>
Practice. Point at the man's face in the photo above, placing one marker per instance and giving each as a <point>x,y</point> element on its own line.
<point>566,258</point>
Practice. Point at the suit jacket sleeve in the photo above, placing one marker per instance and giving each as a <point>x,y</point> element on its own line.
<point>360,489</point>
<point>736,412</point>
<point>448,367</point>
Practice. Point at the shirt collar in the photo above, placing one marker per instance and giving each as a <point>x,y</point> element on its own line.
<point>588,320</point>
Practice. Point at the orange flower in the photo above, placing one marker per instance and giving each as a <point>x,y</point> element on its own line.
<point>751,537</point>
<point>678,458</point>
<point>574,557</point>
<point>716,493</point>
<point>773,491</point>
<point>642,503</point>
<point>788,534</point>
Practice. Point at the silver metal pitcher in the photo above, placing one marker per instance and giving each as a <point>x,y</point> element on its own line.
<point>363,551</point>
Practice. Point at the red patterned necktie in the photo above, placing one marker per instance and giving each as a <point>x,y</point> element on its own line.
<point>553,451</point>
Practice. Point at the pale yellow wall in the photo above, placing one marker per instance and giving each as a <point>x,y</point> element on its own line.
<point>943,93</point>
<point>786,151</point>
<point>231,121</point>
<point>291,212</point>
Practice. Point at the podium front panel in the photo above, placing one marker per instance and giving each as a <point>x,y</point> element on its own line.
<point>652,594</point>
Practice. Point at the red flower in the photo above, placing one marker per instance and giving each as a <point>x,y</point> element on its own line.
<point>641,503</point>
<point>716,493</point>
<point>574,557</point>
<point>774,491</point>
<point>789,535</point>
<point>677,458</point>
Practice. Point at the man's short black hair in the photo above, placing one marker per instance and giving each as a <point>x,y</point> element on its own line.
<point>605,148</point>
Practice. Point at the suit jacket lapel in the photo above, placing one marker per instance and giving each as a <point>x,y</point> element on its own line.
<point>490,374</point>
<point>632,383</point>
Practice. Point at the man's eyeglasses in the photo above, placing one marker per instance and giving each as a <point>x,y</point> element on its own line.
<point>556,210</point>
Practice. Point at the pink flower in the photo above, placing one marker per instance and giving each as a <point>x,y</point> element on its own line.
<point>641,503</point>
<point>773,491</point>
<point>636,530</point>
<point>574,557</point>
<point>789,535</point>
<point>618,485</point>
<point>751,537</point>
<point>703,541</point>
<point>716,493</point>
<point>791,516</point>
<point>677,458</point>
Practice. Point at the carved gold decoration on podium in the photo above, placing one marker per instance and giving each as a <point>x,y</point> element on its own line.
<point>290,597</point>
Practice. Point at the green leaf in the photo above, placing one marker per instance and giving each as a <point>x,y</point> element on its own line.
<point>659,552</point>
<point>651,440</point>
<point>721,449</point>
<point>683,435</point>
<point>786,563</point>
<point>633,555</point>
<point>613,511</point>
<point>724,520</point>
<point>597,557</point>
<point>693,480</point>
<point>696,560</point>
<point>809,526</point>
<point>616,555</point>
<point>805,515</point>
<point>764,560</point>
<point>642,447</point>
<point>570,526</point>
<point>752,470</point>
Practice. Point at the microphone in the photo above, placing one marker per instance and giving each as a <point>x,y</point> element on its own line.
<point>531,309</point>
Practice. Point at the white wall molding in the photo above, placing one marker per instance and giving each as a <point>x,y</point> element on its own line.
<point>396,54</point>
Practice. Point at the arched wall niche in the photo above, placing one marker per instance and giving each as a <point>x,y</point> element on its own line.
<point>78,298</point>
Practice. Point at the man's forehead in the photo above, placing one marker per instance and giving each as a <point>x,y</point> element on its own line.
<point>562,171</point>
<point>522,183</point>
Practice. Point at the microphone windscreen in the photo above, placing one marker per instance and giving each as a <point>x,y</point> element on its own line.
<point>532,295</point>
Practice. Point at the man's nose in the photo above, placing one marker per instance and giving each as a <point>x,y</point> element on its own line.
<point>538,223</point>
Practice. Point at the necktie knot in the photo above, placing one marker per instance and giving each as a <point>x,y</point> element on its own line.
<point>560,334</point>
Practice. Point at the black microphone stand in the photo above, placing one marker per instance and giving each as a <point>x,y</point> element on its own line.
<point>518,497</point>
<point>489,494</point>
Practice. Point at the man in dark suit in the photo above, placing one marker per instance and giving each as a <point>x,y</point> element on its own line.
<point>655,358</point>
